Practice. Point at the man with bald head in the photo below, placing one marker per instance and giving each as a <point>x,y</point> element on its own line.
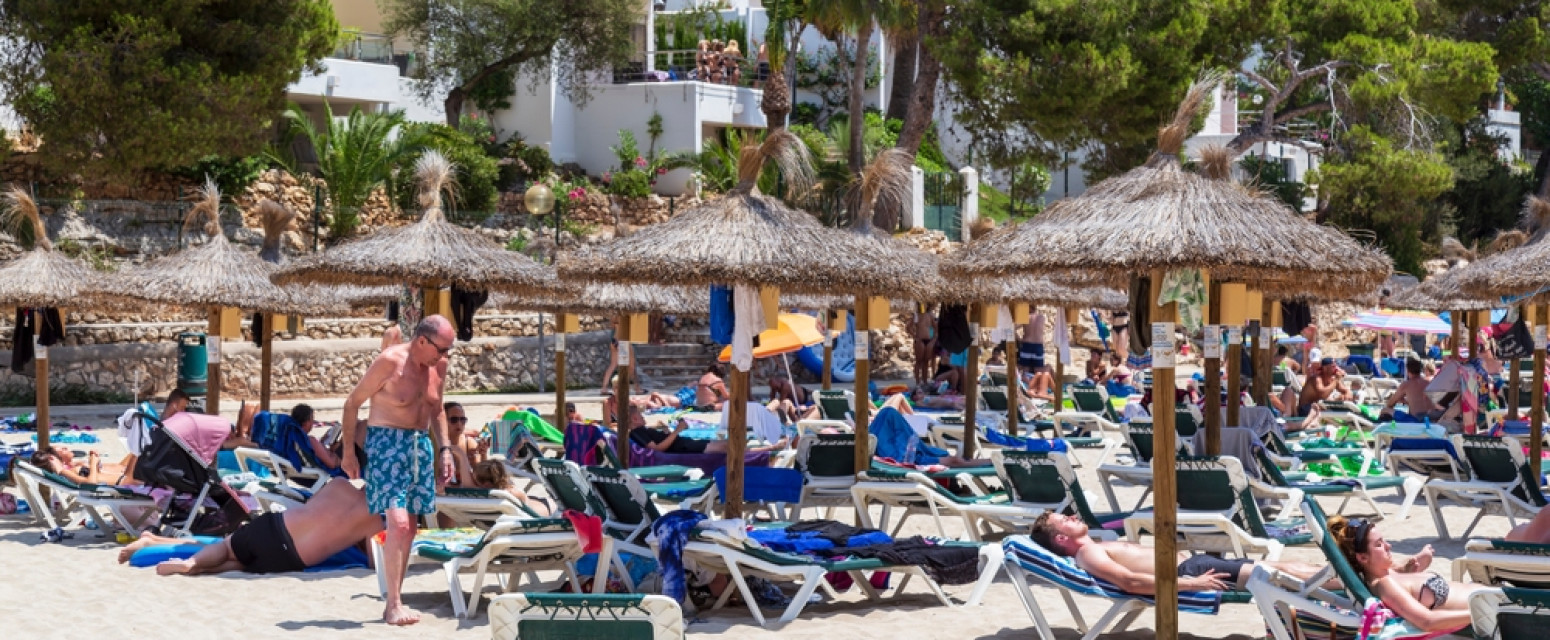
<point>403,466</point>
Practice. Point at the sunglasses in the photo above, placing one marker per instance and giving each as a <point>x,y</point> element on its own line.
<point>439,349</point>
<point>457,420</point>
<point>1362,528</point>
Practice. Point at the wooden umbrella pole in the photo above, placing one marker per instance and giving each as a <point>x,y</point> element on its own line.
<point>971,385</point>
<point>1014,394</point>
<point>828,358</point>
<point>622,398</point>
<point>863,372</point>
<point>737,442</point>
<point>1514,381</point>
<point>1267,345</point>
<point>1212,346</point>
<point>213,364</point>
<point>561,420</point>
<point>266,361</point>
<point>1234,374</point>
<point>40,361</point>
<point>1164,488</point>
<point>1457,337</point>
<point>1471,333</point>
<point>1060,366</point>
<point>1537,420</point>
<point>1256,352</point>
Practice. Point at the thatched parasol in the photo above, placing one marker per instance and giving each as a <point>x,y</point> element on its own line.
<point>431,252</point>
<point>43,277</point>
<point>1159,218</point>
<point>747,238</point>
<point>1515,273</point>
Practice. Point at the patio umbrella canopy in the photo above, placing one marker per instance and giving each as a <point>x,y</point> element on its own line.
<point>1401,321</point>
<point>431,252</point>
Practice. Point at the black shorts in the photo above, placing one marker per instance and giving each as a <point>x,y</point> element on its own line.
<point>1201,563</point>
<point>688,445</point>
<point>264,546</point>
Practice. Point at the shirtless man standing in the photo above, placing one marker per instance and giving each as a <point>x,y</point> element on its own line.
<point>405,385</point>
<point>1323,380</point>
<point>1412,392</point>
<point>1030,351</point>
<point>334,518</point>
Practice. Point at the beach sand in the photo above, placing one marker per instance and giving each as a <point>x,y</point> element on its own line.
<point>75,589</point>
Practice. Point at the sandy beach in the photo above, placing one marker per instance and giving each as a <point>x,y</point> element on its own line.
<point>76,589</point>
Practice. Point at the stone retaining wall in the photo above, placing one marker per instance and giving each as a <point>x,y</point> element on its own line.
<point>315,368</point>
<point>495,325</point>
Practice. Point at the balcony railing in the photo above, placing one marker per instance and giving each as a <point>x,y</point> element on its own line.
<point>679,65</point>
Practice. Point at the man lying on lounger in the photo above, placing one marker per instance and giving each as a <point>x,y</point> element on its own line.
<point>1132,567</point>
<point>335,519</point>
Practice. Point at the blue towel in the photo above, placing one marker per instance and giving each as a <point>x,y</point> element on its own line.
<point>350,558</point>
<point>809,542</point>
<point>282,435</point>
<point>672,532</point>
<point>896,439</point>
<point>722,317</point>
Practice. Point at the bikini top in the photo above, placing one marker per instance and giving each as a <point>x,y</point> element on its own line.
<point>1438,586</point>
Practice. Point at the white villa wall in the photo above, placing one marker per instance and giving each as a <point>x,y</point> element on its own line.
<point>346,81</point>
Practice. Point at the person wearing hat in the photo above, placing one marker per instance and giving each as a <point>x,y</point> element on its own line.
<point>1324,383</point>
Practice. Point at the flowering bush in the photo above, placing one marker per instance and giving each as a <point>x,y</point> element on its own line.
<point>632,183</point>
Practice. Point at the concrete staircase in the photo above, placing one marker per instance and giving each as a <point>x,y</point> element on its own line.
<point>677,362</point>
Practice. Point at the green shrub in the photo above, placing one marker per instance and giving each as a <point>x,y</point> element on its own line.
<point>477,173</point>
<point>633,183</point>
<point>232,175</point>
<point>529,163</point>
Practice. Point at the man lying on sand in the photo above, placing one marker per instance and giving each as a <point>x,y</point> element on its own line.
<point>1132,567</point>
<point>335,519</point>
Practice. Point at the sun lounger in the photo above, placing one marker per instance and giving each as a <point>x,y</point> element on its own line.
<point>828,466</point>
<point>517,546</point>
<point>1218,512</point>
<point>713,549</point>
<point>1521,564</point>
<point>608,494</point>
<point>528,616</point>
<point>1093,414</point>
<point>309,478</point>
<point>1409,486</point>
<point>1026,562</point>
<point>1295,609</point>
<point>88,499</point>
<point>1509,613</point>
<point>1038,482</point>
<point>915,493</point>
<point>479,508</point>
<point>836,405</point>
<point>1501,483</point>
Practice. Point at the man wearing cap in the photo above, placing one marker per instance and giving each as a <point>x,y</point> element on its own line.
<point>1322,383</point>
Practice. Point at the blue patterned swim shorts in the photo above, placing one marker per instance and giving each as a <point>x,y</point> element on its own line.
<point>400,470</point>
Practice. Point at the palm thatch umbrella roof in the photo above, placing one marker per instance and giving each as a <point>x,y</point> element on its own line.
<point>1439,293</point>
<point>431,252</point>
<point>1516,272</point>
<point>608,299</point>
<point>1032,290</point>
<point>1159,216</point>
<point>745,237</point>
<point>217,273</point>
<point>44,277</point>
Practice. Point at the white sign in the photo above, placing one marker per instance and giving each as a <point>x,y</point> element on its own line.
<point>1162,345</point>
<point>39,350</point>
<point>1539,337</point>
<point>974,333</point>
<point>1265,338</point>
<point>1234,336</point>
<point>862,348</point>
<point>1212,337</point>
<point>213,349</point>
<point>624,354</point>
<point>559,343</point>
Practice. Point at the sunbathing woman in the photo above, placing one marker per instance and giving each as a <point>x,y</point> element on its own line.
<point>1424,599</point>
<point>59,459</point>
<point>492,474</point>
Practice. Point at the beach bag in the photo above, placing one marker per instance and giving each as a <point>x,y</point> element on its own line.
<point>1515,343</point>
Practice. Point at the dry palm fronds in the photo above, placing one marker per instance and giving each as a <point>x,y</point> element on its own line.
<point>1170,139</point>
<point>1216,162</point>
<point>23,212</point>
<point>1519,272</point>
<point>275,220</point>
<point>435,174</point>
<point>1455,252</point>
<point>886,184</point>
<point>1535,219</point>
<point>206,207</point>
<point>791,157</point>
<point>1507,241</point>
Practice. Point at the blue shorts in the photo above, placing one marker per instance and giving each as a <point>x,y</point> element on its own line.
<point>960,359</point>
<point>1030,354</point>
<point>400,470</point>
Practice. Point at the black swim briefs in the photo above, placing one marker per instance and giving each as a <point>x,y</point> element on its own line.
<point>264,546</point>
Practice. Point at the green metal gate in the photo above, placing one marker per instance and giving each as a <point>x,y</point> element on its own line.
<point>944,203</point>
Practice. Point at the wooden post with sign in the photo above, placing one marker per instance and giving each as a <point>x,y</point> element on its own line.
<point>40,362</point>
<point>622,336</point>
<point>564,323</point>
<point>1211,346</point>
<point>1232,313</point>
<point>863,372</point>
<point>1537,405</point>
<point>970,383</point>
<point>1165,496</point>
<point>265,360</point>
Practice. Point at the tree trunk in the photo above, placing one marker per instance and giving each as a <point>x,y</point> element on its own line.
<point>1542,171</point>
<point>903,78</point>
<point>922,103</point>
<point>858,69</point>
<point>453,105</point>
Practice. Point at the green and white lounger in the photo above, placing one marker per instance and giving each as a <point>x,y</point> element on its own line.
<point>89,499</point>
<point>1039,482</point>
<point>916,493</point>
<point>1218,512</point>
<point>552,616</point>
<point>1520,564</point>
<point>1510,613</point>
<point>828,465</point>
<point>1501,483</point>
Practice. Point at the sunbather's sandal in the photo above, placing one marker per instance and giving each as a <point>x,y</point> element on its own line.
<point>57,534</point>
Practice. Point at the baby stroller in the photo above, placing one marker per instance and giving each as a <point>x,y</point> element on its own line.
<point>181,458</point>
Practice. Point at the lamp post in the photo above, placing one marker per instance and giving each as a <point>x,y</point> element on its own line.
<point>539,200</point>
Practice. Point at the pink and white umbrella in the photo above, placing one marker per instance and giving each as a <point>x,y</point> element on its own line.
<point>1401,321</point>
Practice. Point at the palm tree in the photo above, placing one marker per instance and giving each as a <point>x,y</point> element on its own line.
<point>355,155</point>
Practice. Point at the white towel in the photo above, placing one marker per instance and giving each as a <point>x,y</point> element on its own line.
<point>1005,331</point>
<point>1062,339</point>
<point>746,326</point>
<point>763,424</point>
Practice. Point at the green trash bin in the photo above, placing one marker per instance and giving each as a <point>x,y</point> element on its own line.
<point>1361,349</point>
<point>193,363</point>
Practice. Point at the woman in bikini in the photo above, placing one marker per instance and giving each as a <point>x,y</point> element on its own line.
<point>925,343</point>
<point>1423,598</point>
<point>59,459</point>
<point>710,393</point>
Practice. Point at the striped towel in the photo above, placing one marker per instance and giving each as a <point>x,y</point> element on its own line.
<point>1063,572</point>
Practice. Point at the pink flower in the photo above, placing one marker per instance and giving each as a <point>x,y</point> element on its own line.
<point>661,171</point>
<point>640,162</point>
